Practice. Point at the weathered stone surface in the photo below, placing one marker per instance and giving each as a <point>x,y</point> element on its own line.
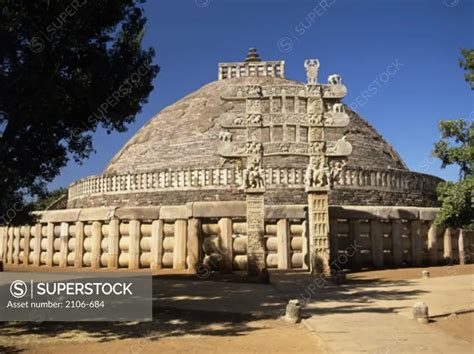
<point>284,211</point>
<point>67,215</point>
<point>218,209</point>
<point>176,212</point>
<point>428,213</point>
<point>94,214</point>
<point>142,213</point>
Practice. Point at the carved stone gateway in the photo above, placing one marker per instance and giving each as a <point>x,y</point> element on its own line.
<point>282,120</point>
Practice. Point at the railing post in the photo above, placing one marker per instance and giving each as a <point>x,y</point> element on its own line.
<point>134,247</point>
<point>225,226</point>
<point>448,245</point>
<point>64,244</point>
<point>397,247</point>
<point>16,245</point>
<point>461,244</point>
<point>156,244</point>
<point>96,244</point>
<point>113,243</point>
<point>38,236</point>
<point>432,244</point>
<point>283,239</point>
<point>49,244</point>
<point>377,243</point>
<point>26,248</point>
<point>79,247</point>
<point>416,247</point>
<point>194,227</point>
<point>179,252</point>
<point>354,237</point>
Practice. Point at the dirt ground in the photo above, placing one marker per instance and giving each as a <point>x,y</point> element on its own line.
<point>261,336</point>
<point>198,332</point>
<point>412,273</point>
<point>172,331</point>
<point>459,326</point>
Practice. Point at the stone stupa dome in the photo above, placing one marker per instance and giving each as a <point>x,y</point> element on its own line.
<point>175,158</point>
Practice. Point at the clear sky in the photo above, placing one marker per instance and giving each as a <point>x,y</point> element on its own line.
<point>398,59</point>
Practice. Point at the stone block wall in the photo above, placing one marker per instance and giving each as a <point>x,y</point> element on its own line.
<point>214,235</point>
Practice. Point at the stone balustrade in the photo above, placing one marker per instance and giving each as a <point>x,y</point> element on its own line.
<point>223,178</point>
<point>215,234</point>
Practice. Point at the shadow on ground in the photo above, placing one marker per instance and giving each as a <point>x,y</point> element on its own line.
<point>219,306</point>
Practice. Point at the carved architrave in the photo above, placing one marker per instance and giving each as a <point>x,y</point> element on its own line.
<point>317,148</point>
<point>233,120</point>
<point>235,149</point>
<point>313,90</point>
<point>285,148</point>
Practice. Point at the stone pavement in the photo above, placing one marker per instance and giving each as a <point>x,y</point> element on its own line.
<point>364,317</point>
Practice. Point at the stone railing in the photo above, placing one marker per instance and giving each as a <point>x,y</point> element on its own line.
<point>223,178</point>
<point>215,234</point>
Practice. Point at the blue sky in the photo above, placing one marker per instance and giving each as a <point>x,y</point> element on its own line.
<point>398,58</point>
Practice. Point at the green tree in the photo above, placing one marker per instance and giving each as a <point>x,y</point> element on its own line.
<point>66,68</point>
<point>50,197</point>
<point>467,63</point>
<point>457,147</point>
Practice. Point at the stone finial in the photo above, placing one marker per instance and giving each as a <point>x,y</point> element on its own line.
<point>252,56</point>
<point>312,69</point>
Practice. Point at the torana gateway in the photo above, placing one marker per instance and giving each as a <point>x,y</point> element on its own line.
<point>250,172</point>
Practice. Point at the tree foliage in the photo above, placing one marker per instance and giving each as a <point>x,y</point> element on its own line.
<point>457,200</point>
<point>45,201</point>
<point>467,63</point>
<point>456,145</point>
<point>66,68</point>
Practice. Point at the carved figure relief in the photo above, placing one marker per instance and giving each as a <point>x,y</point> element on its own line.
<point>336,168</point>
<point>238,121</point>
<point>254,119</point>
<point>334,79</point>
<point>253,147</point>
<point>316,134</point>
<point>253,106</point>
<point>317,148</point>
<point>253,175</point>
<point>317,172</point>
<point>254,90</point>
<point>340,147</point>
<point>315,105</point>
<point>225,137</point>
<point>312,69</point>
<point>315,119</point>
<point>338,108</point>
